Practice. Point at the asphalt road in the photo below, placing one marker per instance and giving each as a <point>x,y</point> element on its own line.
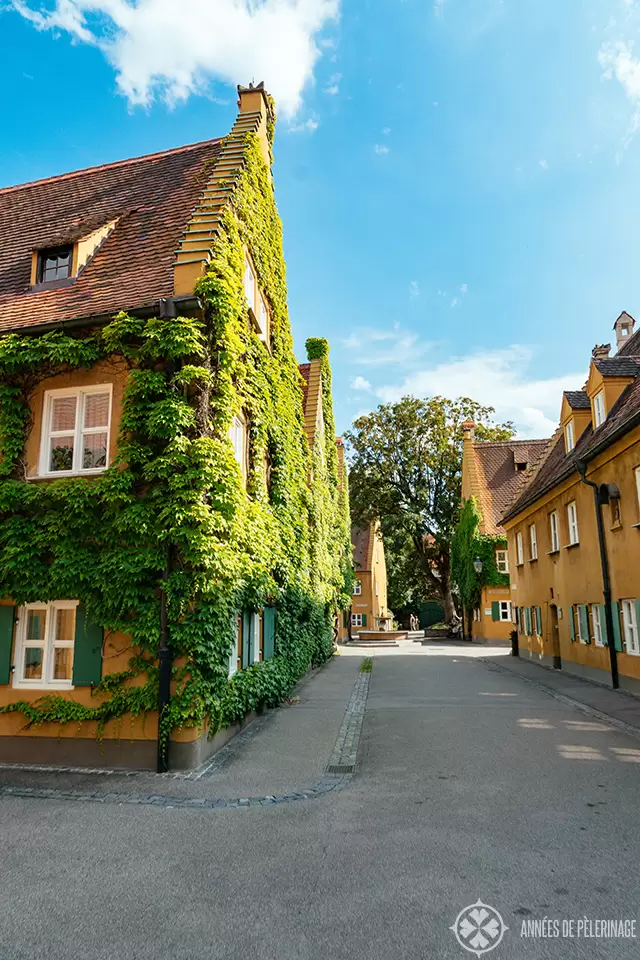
<point>471,784</point>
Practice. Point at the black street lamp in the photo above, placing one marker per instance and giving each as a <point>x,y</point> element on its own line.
<point>477,565</point>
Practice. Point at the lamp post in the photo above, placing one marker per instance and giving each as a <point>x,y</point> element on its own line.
<point>477,565</point>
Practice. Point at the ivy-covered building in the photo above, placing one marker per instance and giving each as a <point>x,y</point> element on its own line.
<point>174,538</point>
<point>492,473</point>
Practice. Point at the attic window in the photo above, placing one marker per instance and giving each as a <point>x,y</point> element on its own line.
<point>521,465</point>
<point>624,331</point>
<point>54,264</point>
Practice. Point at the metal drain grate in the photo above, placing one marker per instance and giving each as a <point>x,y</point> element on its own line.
<point>340,768</point>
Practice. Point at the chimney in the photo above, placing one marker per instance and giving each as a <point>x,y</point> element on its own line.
<point>600,351</point>
<point>255,100</point>
<point>468,430</point>
<point>624,328</point>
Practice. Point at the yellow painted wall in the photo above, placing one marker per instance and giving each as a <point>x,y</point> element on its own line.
<point>573,574</point>
<point>488,629</point>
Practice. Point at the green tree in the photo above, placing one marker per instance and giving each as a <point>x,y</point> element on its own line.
<point>406,472</point>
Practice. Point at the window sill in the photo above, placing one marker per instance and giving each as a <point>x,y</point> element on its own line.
<point>616,526</point>
<point>62,474</point>
<point>570,546</point>
<point>52,284</point>
<point>533,560</point>
<point>25,685</point>
<point>552,553</point>
<point>520,563</point>
<point>635,526</point>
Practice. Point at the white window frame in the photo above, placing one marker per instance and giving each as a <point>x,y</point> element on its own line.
<point>598,634</point>
<point>555,531</point>
<point>256,637</point>
<point>233,658</point>
<point>238,432</point>
<point>263,317</point>
<point>357,588</point>
<point>569,437</point>
<point>505,610</point>
<point>519,548</point>
<point>630,626</point>
<point>572,523</point>
<point>49,645</point>
<point>581,637</point>
<point>356,619</point>
<point>80,393</point>
<point>533,541</point>
<point>637,475</point>
<point>599,409</point>
<point>502,561</point>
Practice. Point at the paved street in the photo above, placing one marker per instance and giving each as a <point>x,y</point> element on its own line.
<point>470,783</point>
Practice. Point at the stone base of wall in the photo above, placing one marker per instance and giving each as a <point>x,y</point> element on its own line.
<point>628,684</point>
<point>114,754</point>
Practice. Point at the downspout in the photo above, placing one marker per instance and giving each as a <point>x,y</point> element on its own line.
<point>167,309</point>
<point>606,581</point>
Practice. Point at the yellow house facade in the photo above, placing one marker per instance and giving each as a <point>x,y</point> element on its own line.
<point>369,609</point>
<point>558,568</point>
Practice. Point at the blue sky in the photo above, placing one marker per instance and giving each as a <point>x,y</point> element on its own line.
<point>458,179</point>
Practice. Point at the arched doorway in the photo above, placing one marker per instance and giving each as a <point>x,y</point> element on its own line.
<point>555,636</point>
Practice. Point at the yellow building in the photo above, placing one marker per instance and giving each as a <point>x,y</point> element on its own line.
<point>492,473</point>
<point>198,384</point>
<point>369,610</point>
<point>557,581</point>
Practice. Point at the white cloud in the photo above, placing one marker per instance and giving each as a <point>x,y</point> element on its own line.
<point>351,342</point>
<point>438,7</point>
<point>380,148</point>
<point>617,60</point>
<point>391,347</point>
<point>454,302</point>
<point>306,126</point>
<point>544,164</point>
<point>464,288</point>
<point>414,289</point>
<point>498,378</point>
<point>333,89</point>
<point>386,131</point>
<point>360,384</point>
<point>172,50</point>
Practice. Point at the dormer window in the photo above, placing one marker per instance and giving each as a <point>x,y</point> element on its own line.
<point>54,264</point>
<point>599,410</point>
<point>569,437</point>
<point>624,331</point>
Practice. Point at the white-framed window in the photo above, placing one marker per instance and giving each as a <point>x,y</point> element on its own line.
<point>377,589</point>
<point>599,410</point>
<point>533,541</point>
<point>257,637</point>
<point>630,625</point>
<point>356,619</point>
<point>580,625</point>
<point>45,636</point>
<point>637,474</point>
<point>263,318</point>
<point>476,614</point>
<point>519,548</point>
<point>572,522</point>
<point>553,528</point>
<point>75,431</point>
<point>598,631</point>
<point>249,281</point>
<point>569,437</point>
<point>505,609</point>
<point>234,656</point>
<point>238,437</point>
<point>502,561</point>
<point>357,588</point>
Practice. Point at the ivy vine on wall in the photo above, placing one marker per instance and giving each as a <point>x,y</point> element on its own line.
<point>467,546</point>
<point>175,484</point>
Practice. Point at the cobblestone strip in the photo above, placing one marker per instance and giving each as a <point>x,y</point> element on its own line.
<point>337,776</point>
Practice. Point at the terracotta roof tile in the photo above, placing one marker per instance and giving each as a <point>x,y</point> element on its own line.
<point>361,540</point>
<point>499,477</point>
<point>632,347</point>
<point>151,198</point>
<point>624,366</point>
<point>578,399</point>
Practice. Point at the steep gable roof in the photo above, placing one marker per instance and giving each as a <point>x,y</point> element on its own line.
<point>578,399</point>
<point>150,199</point>
<point>499,479</point>
<point>362,539</point>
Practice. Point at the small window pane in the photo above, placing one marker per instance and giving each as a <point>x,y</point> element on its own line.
<point>36,624</point>
<point>94,451</point>
<point>62,662</point>
<point>61,453</point>
<point>96,410</point>
<point>63,414</point>
<point>33,657</point>
<point>65,624</point>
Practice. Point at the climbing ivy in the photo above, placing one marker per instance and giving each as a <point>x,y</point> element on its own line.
<point>175,486</point>
<point>467,546</point>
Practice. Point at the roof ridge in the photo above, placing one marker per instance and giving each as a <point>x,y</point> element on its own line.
<point>506,443</point>
<point>111,165</point>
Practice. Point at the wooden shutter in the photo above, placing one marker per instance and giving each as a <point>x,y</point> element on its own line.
<point>527,621</point>
<point>539,621</point>
<point>269,632</point>
<point>247,642</point>
<point>603,624</point>
<point>583,613</point>
<point>572,625</point>
<point>495,610</point>
<point>364,619</point>
<point>87,650</point>
<point>7,618</point>
<point>617,634</point>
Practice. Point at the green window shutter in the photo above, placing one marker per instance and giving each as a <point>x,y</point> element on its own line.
<point>617,634</point>
<point>603,624</point>
<point>527,621</point>
<point>269,615</point>
<point>7,617</point>
<point>364,619</point>
<point>539,621</point>
<point>87,650</point>
<point>247,639</point>
<point>572,625</point>
<point>583,613</point>
<point>495,610</point>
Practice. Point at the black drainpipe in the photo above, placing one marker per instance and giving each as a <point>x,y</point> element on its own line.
<point>606,582</point>
<point>167,308</point>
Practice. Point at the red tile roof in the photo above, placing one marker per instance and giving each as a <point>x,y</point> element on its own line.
<point>151,198</point>
<point>361,538</point>
<point>578,399</point>
<point>498,477</point>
